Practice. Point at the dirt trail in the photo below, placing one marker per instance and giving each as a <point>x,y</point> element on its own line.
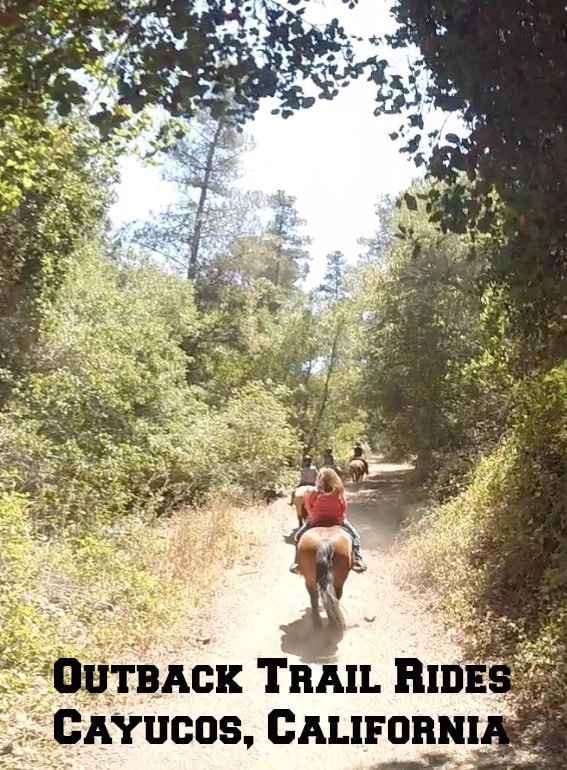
<point>261,611</point>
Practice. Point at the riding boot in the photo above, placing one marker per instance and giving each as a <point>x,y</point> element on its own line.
<point>295,567</point>
<point>358,563</point>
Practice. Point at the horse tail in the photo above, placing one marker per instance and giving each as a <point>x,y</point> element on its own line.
<point>324,575</point>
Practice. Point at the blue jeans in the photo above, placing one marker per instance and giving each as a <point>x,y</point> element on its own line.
<point>346,525</point>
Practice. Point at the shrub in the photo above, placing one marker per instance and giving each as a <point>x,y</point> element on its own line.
<point>497,554</point>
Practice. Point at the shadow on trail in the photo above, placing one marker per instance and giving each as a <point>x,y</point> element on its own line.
<point>499,758</point>
<point>311,645</point>
<point>377,507</point>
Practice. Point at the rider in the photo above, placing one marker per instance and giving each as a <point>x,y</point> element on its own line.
<point>330,462</point>
<point>358,454</point>
<point>308,476</point>
<point>326,506</point>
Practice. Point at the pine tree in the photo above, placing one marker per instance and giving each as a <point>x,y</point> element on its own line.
<point>289,260</point>
<point>333,282</point>
<point>211,212</point>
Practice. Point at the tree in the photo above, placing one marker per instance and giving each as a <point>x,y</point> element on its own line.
<point>196,233</point>
<point>485,64</point>
<point>333,281</point>
<point>65,196</point>
<point>422,330</point>
<point>379,242</point>
<point>169,54</point>
<point>501,70</point>
<point>288,261</point>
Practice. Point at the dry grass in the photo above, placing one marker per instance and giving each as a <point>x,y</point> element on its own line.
<point>119,598</point>
<point>493,564</point>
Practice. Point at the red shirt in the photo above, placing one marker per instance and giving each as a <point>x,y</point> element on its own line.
<point>325,507</point>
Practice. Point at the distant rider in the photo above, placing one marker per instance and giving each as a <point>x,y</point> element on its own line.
<point>326,507</point>
<point>358,454</point>
<point>330,462</point>
<point>308,476</point>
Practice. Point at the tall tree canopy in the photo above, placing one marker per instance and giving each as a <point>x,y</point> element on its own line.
<point>501,69</point>
<point>210,212</point>
<point>171,54</point>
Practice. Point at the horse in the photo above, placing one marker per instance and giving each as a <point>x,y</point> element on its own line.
<point>298,501</point>
<point>324,558</point>
<point>356,468</point>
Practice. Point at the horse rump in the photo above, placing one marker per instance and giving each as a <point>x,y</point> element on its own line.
<point>357,470</point>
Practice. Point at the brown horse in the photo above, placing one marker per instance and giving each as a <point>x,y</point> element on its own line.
<point>324,557</point>
<point>298,501</point>
<point>356,469</point>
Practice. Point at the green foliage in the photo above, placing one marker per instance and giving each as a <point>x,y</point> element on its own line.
<point>498,553</point>
<point>84,430</point>
<point>174,56</point>
<point>28,628</point>
<point>107,423</point>
<point>258,445</point>
<point>499,69</point>
<point>448,378</point>
<point>423,331</point>
<point>54,192</point>
<point>470,54</point>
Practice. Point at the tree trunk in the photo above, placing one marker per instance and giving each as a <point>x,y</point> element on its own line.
<point>199,216</point>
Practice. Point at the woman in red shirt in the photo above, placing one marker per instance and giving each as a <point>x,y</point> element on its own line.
<point>326,507</point>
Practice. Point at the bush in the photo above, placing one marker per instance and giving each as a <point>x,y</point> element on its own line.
<point>107,424</point>
<point>28,626</point>
<point>101,596</point>
<point>255,440</point>
<point>498,553</point>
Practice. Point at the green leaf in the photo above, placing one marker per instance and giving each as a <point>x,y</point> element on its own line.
<point>411,202</point>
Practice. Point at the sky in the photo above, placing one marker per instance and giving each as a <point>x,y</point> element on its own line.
<point>336,158</point>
